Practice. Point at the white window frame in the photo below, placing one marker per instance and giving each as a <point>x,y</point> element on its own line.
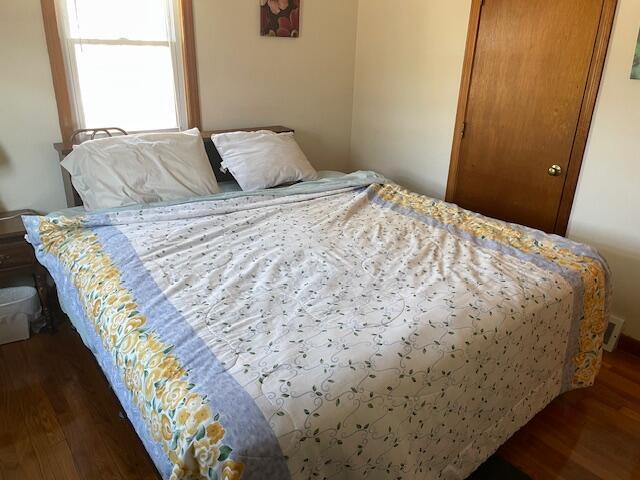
<point>176,46</point>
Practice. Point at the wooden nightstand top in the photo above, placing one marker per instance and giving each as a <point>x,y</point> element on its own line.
<point>13,227</point>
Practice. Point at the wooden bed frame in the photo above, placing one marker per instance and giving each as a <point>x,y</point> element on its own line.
<point>74,200</point>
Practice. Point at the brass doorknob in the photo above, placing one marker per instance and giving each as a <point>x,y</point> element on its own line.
<point>555,170</point>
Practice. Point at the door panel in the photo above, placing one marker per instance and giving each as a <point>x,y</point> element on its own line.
<point>529,74</point>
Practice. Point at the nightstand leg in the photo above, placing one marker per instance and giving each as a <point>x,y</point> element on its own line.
<point>40,277</point>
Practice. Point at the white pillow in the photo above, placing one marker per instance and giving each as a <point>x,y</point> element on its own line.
<point>142,168</point>
<point>263,159</point>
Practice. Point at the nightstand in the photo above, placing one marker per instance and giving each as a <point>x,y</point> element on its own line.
<point>17,257</point>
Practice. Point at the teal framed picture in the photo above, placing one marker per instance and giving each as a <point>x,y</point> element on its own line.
<point>635,70</point>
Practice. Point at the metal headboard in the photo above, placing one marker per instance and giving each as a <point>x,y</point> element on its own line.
<point>94,131</point>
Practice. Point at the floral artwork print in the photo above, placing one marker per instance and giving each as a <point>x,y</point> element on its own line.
<point>280,18</point>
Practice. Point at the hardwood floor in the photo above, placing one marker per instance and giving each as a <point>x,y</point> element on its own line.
<point>586,434</point>
<point>58,417</point>
<point>60,420</point>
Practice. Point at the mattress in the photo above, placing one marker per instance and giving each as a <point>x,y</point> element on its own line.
<point>338,329</point>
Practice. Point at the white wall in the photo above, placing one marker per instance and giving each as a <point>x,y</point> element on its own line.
<point>408,69</point>
<point>305,83</point>
<point>29,170</point>
<point>606,211</point>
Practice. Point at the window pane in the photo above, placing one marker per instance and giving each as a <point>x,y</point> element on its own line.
<point>127,86</point>
<point>116,19</point>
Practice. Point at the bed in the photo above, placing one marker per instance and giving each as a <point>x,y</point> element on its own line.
<point>339,328</point>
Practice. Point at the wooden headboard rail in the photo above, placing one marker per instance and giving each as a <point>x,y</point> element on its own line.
<point>74,200</point>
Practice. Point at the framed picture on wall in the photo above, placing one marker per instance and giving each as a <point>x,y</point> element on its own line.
<point>635,70</point>
<point>280,18</point>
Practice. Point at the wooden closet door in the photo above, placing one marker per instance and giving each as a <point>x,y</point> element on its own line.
<point>527,84</point>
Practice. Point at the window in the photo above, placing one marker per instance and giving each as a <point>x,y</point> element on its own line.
<point>127,64</point>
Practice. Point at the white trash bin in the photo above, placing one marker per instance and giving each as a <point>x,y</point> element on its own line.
<point>19,307</point>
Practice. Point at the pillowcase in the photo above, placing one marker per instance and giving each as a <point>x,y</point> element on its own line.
<point>143,168</point>
<point>263,159</point>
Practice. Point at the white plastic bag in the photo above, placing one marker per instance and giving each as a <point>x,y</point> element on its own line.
<point>19,308</point>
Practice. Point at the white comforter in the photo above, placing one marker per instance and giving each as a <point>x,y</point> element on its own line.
<point>349,332</point>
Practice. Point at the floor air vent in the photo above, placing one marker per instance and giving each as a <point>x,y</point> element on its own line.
<point>612,334</point>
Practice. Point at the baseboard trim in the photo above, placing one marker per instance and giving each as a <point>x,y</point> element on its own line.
<point>629,345</point>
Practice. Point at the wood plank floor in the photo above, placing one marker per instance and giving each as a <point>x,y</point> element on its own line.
<point>60,420</point>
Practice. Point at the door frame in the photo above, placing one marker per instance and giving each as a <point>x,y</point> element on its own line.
<point>584,120</point>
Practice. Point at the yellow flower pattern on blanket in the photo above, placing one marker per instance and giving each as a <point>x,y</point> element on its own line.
<point>593,324</point>
<point>177,417</point>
